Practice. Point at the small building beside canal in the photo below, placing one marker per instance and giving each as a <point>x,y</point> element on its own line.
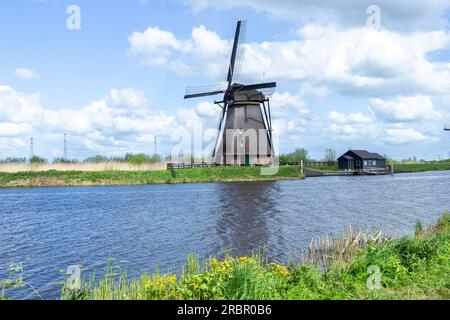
<point>361,160</point>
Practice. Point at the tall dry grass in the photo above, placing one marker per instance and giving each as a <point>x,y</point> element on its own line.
<point>89,167</point>
<point>324,250</point>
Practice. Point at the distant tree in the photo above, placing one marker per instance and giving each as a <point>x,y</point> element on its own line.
<point>14,160</point>
<point>330,155</point>
<point>297,156</point>
<point>62,160</point>
<point>97,159</point>
<point>38,160</point>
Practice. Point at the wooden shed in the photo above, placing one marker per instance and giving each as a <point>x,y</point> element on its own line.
<point>361,160</point>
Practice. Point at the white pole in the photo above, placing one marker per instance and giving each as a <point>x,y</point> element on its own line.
<point>301,166</point>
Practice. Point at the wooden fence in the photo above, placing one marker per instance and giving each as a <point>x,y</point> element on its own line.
<point>320,163</point>
<point>171,166</point>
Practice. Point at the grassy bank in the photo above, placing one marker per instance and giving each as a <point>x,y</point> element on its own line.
<point>116,177</point>
<point>400,167</point>
<point>358,266</point>
<point>419,167</point>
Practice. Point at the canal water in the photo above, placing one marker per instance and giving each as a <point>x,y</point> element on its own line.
<point>46,230</point>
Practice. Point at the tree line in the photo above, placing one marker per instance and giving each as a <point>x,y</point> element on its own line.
<point>301,154</point>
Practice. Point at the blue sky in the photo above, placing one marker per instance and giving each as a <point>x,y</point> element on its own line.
<point>119,81</point>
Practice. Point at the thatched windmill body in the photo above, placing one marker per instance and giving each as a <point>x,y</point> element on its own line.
<point>245,125</point>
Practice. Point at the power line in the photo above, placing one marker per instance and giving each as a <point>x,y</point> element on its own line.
<point>31,148</point>
<point>65,147</point>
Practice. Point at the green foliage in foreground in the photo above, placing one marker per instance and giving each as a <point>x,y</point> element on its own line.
<point>197,175</point>
<point>409,268</point>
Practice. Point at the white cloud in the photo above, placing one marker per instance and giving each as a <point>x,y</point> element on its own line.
<point>396,15</point>
<point>357,61</point>
<point>360,128</point>
<point>26,74</point>
<point>404,109</point>
<point>401,136</point>
<point>120,121</point>
<point>342,118</point>
<point>207,110</point>
<point>8,129</point>
<point>128,97</point>
<point>205,51</point>
<point>285,105</point>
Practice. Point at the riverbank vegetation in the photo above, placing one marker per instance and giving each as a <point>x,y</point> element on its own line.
<point>142,177</point>
<point>400,167</point>
<point>358,266</point>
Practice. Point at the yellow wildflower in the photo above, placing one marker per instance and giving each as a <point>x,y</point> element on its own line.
<point>247,260</point>
<point>280,269</point>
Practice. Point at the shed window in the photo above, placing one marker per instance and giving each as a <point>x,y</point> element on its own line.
<point>365,163</point>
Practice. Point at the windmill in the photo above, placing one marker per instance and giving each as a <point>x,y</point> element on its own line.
<point>245,125</point>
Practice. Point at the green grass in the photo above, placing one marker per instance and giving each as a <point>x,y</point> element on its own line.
<point>401,167</point>
<point>409,268</point>
<point>198,175</point>
<point>419,167</point>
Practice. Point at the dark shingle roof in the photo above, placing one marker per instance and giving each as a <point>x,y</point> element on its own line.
<point>367,155</point>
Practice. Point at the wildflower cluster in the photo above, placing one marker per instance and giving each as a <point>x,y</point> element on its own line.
<point>280,269</point>
<point>160,282</point>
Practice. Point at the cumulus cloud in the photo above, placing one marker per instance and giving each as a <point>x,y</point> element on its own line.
<point>206,110</point>
<point>9,129</point>
<point>400,136</point>
<point>351,118</point>
<point>397,15</point>
<point>285,104</point>
<point>400,127</point>
<point>405,109</point>
<point>357,61</point>
<point>119,121</point>
<point>26,74</point>
<point>205,52</point>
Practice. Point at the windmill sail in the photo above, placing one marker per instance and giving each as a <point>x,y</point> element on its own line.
<point>237,55</point>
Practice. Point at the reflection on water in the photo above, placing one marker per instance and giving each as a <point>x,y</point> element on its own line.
<point>244,213</point>
<point>148,226</point>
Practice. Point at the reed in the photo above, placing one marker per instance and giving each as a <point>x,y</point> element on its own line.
<point>325,250</point>
<point>82,167</point>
